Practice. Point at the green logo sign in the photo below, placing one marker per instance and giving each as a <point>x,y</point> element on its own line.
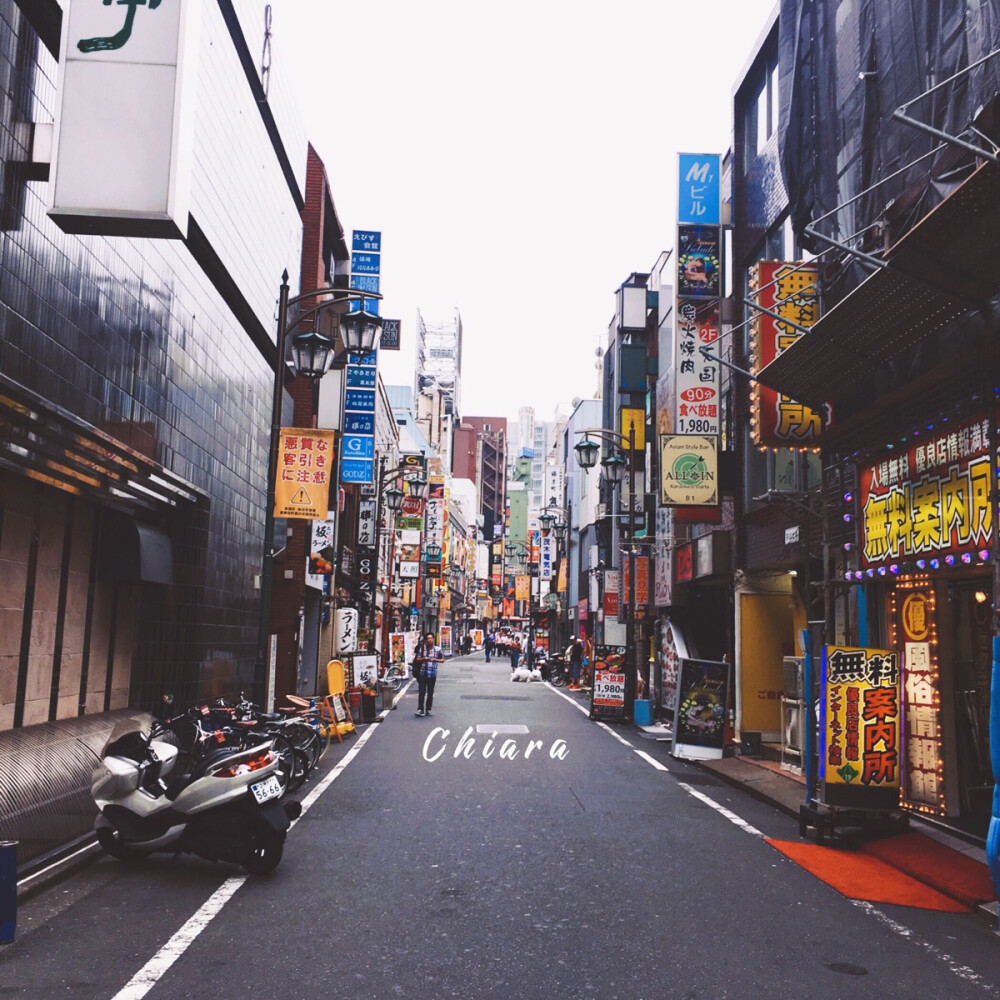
<point>689,470</point>
<point>117,40</point>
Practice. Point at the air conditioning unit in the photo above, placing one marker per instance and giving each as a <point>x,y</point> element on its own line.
<point>602,510</point>
<point>794,685</point>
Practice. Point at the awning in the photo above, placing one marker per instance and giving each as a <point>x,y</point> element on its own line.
<point>946,266</point>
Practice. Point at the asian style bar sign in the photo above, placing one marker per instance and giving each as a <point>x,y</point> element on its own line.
<point>860,763</point>
<point>302,478</point>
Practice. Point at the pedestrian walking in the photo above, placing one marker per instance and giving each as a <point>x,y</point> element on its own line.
<point>575,662</point>
<point>425,668</point>
<point>515,652</point>
<point>488,643</point>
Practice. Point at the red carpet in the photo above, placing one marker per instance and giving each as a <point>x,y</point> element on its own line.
<point>954,874</point>
<point>861,874</point>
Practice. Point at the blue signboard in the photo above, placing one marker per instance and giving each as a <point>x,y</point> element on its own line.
<point>365,263</point>
<point>362,400</point>
<point>365,360</point>
<point>699,183</point>
<point>357,470</point>
<point>358,446</point>
<point>366,239</point>
<point>361,378</point>
<point>365,282</point>
<point>359,423</point>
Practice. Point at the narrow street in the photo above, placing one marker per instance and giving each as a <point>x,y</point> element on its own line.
<point>577,860</point>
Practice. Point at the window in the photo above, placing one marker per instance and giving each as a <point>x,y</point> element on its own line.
<point>760,116</point>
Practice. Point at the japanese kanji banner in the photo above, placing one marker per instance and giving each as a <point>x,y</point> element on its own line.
<point>302,479</point>
<point>931,499</point>
<point>788,289</point>
<point>913,610</point>
<point>860,762</point>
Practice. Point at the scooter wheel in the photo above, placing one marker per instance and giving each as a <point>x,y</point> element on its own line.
<point>111,842</point>
<point>265,853</point>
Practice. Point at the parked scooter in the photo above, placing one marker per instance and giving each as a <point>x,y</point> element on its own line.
<point>224,808</point>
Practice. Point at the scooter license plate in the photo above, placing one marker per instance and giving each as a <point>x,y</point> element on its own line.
<point>269,788</point>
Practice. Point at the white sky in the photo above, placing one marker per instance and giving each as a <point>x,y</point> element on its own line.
<point>518,158</point>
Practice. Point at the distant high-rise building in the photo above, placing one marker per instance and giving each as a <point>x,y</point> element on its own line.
<point>439,360</point>
<point>480,454</point>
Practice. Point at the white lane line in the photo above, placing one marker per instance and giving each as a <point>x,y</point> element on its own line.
<point>721,810</point>
<point>962,971</point>
<point>151,973</point>
<point>336,771</point>
<point>652,760</point>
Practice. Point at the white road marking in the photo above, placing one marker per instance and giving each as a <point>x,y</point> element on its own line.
<point>962,971</point>
<point>721,810</point>
<point>151,973</point>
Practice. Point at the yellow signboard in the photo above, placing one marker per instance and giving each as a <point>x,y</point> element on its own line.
<point>636,419</point>
<point>861,730</point>
<point>522,587</point>
<point>305,470</point>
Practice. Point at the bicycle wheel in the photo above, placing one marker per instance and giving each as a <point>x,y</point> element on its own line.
<point>305,738</point>
<point>395,678</point>
<point>285,752</point>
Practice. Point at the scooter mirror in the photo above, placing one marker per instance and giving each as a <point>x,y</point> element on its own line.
<point>163,709</point>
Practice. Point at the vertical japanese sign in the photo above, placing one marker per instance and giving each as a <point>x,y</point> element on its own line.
<point>124,147</point>
<point>302,479</point>
<point>366,265</point>
<point>913,616</point>
<point>357,444</point>
<point>547,558</point>
<point>320,564</point>
<point>860,762</point>
<point>790,291</point>
<point>697,295</point>
<point>612,581</point>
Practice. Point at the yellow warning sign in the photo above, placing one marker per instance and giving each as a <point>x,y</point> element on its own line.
<point>305,469</point>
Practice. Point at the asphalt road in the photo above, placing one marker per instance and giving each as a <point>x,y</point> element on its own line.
<point>594,865</point>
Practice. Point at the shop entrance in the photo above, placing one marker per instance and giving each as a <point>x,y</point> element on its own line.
<point>971,645</point>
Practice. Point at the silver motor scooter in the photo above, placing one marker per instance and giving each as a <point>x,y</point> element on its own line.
<point>225,807</point>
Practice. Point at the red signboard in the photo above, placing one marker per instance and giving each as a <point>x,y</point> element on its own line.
<point>931,500</point>
<point>684,562</point>
<point>789,290</point>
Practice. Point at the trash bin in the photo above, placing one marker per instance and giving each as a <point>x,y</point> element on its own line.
<point>8,890</point>
<point>643,712</point>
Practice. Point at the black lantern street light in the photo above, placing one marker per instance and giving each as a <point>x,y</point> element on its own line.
<point>313,354</point>
<point>614,464</point>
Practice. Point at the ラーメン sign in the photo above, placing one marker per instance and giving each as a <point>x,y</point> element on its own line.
<point>688,470</point>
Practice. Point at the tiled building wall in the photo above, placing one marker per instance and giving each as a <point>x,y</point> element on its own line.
<point>132,337</point>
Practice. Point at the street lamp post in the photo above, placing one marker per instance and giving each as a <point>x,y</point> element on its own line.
<point>313,354</point>
<point>614,468</point>
<point>524,558</point>
<point>393,498</point>
<point>561,528</point>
